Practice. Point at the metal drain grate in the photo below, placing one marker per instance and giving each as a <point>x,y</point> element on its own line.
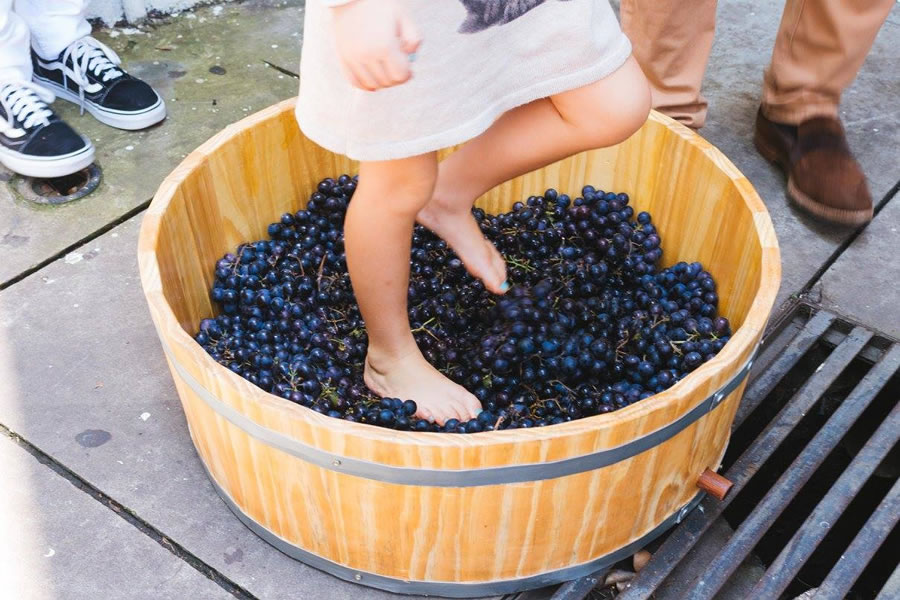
<point>59,190</point>
<point>816,497</point>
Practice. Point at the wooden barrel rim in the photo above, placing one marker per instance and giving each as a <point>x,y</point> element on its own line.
<point>417,476</point>
<point>449,589</point>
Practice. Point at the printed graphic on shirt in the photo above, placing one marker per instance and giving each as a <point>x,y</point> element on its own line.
<point>487,13</point>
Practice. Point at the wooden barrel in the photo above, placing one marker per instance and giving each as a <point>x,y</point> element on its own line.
<point>455,515</point>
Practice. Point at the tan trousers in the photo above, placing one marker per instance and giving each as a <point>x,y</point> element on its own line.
<point>820,47</point>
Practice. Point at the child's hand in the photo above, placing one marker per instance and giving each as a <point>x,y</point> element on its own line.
<point>374,40</point>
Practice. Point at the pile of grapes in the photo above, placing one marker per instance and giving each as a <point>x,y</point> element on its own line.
<point>592,322</point>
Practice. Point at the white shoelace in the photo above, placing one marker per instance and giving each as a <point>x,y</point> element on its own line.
<point>90,55</point>
<point>27,102</point>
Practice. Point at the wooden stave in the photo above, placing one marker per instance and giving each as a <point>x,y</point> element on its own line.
<point>448,589</point>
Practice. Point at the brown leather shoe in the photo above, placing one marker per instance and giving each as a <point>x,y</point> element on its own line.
<point>823,177</point>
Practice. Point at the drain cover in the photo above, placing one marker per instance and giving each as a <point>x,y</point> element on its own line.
<point>814,462</point>
<point>59,190</point>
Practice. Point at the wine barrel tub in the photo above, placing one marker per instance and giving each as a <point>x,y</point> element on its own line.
<point>441,514</point>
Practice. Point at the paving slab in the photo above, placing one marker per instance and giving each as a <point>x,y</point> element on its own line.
<point>743,46</point>
<point>58,542</point>
<point>82,377</point>
<point>862,283</point>
<point>209,67</point>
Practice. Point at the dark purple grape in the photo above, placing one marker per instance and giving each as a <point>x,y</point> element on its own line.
<point>593,323</point>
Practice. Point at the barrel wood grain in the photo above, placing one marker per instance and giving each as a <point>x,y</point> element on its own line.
<point>232,187</point>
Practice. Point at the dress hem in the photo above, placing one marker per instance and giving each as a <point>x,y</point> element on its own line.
<point>473,127</point>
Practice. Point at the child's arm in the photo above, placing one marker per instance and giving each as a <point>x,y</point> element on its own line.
<point>374,39</point>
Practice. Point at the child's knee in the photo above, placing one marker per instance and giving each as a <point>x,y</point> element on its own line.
<point>412,190</point>
<point>404,185</point>
<point>611,110</point>
<point>626,106</point>
<point>632,115</point>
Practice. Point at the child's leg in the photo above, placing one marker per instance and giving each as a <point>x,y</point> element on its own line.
<point>526,138</point>
<point>378,235</point>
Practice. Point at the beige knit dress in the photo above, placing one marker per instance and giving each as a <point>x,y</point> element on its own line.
<point>478,59</point>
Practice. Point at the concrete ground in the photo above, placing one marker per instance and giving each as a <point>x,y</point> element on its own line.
<point>107,496</point>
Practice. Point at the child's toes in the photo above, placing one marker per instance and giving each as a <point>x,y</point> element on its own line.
<point>426,414</point>
<point>481,266</point>
<point>473,409</point>
<point>458,412</point>
<point>468,405</point>
<point>498,265</point>
<point>493,273</point>
<point>494,279</point>
<point>445,413</point>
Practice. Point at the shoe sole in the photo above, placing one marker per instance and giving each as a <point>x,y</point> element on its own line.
<point>808,205</point>
<point>827,213</point>
<point>47,167</point>
<point>114,118</point>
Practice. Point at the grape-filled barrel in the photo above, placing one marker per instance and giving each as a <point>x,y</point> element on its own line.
<point>456,515</point>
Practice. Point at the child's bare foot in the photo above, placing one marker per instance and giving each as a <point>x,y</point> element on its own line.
<point>413,378</point>
<point>461,232</point>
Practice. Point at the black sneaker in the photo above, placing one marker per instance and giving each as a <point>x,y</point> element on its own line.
<point>87,73</point>
<point>33,140</point>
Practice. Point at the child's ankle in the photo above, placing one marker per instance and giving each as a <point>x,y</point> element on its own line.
<point>382,359</point>
<point>451,200</point>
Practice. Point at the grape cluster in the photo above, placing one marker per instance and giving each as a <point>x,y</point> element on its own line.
<point>592,322</point>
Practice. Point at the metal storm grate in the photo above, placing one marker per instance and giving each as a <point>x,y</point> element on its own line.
<point>59,190</point>
<point>815,465</point>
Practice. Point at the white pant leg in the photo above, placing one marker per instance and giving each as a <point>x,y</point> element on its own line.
<point>15,51</point>
<point>54,24</point>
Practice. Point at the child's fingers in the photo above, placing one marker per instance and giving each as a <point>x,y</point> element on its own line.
<point>397,68</point>
<point>349,75</point>
<point>382,73</point>
<point>365,78</point>
<point>409,35</point>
